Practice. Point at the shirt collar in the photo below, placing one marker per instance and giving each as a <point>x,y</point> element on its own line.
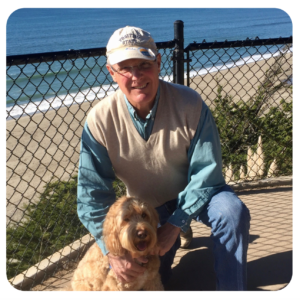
<point>152,112</point>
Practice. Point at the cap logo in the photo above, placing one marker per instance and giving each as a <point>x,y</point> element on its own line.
<point>145,52</point>
<point>130,39</point>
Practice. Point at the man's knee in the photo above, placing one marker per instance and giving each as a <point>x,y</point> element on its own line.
<point>228,210</point>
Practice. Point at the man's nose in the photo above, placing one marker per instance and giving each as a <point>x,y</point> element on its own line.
<point>136,72</point>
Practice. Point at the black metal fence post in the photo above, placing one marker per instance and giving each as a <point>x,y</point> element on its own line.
<point>178,58</point>
<point>188,68</point>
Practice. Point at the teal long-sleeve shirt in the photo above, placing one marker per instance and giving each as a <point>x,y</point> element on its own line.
<point>95,192</point>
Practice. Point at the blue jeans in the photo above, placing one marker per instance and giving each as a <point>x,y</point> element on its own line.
<point>229,220</point>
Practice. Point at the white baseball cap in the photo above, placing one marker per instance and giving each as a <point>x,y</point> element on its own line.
<point>130,42</point>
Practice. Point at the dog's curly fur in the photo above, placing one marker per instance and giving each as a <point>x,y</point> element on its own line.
<point>130,225</point>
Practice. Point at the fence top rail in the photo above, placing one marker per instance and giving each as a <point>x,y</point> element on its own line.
<point>53,56</point>
<point>13,60</point>
<point>242,43</point>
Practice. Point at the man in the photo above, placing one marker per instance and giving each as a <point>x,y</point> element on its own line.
<point>161,140</point>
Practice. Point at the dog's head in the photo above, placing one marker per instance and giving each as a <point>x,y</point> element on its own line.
<point>131,225</point>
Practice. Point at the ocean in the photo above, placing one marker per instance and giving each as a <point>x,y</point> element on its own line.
<point>48,30</point>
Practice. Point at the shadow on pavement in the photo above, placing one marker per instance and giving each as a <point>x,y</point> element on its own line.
<point>195,271</point>
<point>270,270</point>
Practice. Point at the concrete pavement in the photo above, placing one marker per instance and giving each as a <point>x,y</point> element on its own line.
<point>269,254</point>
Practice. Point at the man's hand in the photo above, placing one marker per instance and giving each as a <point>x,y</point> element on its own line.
<point>166,235</point>
<point>125,267</point>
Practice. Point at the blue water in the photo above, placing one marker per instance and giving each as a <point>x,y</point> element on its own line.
<point>47,30</point>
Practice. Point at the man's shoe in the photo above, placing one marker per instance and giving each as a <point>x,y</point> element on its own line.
<point>186,238</point>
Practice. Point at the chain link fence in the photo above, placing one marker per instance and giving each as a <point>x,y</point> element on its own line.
<point>248,89</point>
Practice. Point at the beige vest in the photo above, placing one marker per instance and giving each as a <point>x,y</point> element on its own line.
<point>155,170</point>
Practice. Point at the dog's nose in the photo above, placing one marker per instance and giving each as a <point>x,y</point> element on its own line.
<point>141,234</point>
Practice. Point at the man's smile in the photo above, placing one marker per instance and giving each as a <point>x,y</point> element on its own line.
<point>140,87</point>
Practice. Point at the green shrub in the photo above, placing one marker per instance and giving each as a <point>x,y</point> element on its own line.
<point>119,188</point>
<point>48,226</point>
<point>240,124</point>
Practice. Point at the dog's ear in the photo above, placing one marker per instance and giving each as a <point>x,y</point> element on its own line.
<point>111,231</point>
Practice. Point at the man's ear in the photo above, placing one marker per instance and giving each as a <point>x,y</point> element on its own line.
<point>111,72</point>
<point>158,61</point>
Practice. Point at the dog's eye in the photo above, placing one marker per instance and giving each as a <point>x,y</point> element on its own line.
<point>144,215</point>
<point>126,219</point>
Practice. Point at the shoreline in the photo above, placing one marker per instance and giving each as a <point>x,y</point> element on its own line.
<point>89,94</point>
<point>48,143</point>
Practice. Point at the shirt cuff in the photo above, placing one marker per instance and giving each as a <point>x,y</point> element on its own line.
<point>180,219</point>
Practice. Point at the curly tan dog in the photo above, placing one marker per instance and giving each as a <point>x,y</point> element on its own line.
<point>130,225</point>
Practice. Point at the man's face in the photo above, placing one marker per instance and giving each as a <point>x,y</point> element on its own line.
<point>140,88</point>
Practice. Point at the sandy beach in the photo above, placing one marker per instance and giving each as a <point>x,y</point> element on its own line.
<point>241,82</point>
<point>46,145</point>
<point>41,147</point>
